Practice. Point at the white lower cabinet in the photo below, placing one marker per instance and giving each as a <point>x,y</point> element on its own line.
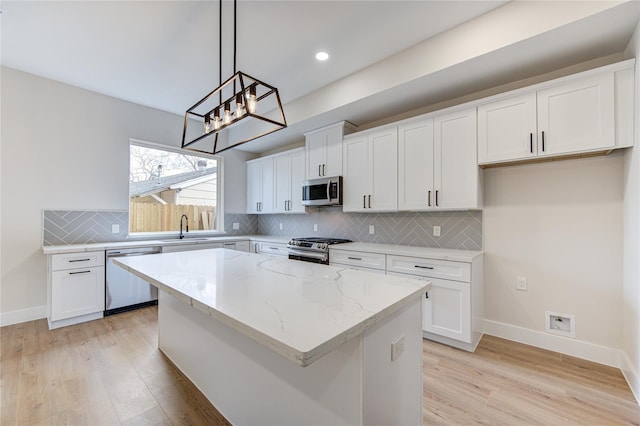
<point>452,309</point>
<point>358,260</point>
<point>75,288</point>
<point>274,249</point>
<point>446,309</point>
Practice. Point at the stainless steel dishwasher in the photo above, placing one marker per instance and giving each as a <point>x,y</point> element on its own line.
<point>123,290</point>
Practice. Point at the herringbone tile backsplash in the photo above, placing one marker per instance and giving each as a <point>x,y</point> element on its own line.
<point>83,226</point>
<point>459,229</point>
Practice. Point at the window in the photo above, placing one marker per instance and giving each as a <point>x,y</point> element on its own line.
<point>166,183</point>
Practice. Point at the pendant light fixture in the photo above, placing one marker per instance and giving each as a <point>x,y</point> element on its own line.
<point>239,110</point>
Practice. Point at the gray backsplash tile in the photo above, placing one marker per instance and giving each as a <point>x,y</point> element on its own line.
<point>460,229</point>
<point>83,226</point>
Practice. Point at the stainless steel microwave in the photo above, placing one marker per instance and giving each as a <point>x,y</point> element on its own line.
<point>322,192</point>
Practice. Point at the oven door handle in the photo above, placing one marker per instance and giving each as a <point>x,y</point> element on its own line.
<point>310,254</point>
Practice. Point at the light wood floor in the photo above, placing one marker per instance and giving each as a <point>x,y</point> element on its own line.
<point>110,372</point>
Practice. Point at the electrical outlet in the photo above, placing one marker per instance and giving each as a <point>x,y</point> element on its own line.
<point>397,348</point>
<point>236,225</point>
<point>371,229</point>
<point>115,228</point>
<point>436,231</point>
<point>281,227</point>
<point>315,227</point>
<point>521,283</point>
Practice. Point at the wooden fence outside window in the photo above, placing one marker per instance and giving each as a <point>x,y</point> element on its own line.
<point>154,217</point>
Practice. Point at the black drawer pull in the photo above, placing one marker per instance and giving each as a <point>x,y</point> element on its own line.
<point>423,267</point>
<point>354,258</point>
<point>79,272</point>
<point>79,260</point>
<point>426,295</point>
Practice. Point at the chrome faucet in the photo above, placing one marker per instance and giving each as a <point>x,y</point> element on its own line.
<point>187,224</point>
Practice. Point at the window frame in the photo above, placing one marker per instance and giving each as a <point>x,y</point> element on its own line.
<point>219,191</point>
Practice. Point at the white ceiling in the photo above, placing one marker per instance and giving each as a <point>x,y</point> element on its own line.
<point>164,54</point>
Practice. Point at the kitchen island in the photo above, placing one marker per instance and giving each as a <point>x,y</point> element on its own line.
<point>276,341</point>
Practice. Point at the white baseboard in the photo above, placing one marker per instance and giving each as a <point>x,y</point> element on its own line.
<point>23,315</point>
<point>564,345</point>
<point>631,375</point>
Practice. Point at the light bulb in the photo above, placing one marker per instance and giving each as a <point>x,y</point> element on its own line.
<point>227,113</point>
<point>216,119</point>
<point>239,107</point>
<point>252,101</point>
<point>207,124</point>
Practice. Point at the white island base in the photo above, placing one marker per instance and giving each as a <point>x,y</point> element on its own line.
<point>355,384</point>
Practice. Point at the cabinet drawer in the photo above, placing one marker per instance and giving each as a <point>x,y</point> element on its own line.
<point>61,262</point>
<point>273,248</point>
<point>358,258</point>
<point>457,271</point>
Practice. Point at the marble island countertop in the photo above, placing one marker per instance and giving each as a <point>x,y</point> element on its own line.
<point>300,310</point>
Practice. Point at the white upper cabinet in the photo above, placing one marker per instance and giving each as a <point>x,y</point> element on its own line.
<point>507,129</point>
<point>289,175</point>
<point>437,166</point>
<point>415,166</point>
<point>584,113</point>
<point>274,183</point>
<point>260,185</point>
<point>456,172</point>
<point>577,116</point>
<point>323,148</point>
<point>371,171</point>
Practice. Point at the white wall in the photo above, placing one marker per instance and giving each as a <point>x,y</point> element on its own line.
<point>67,148</point>
<point>560,225</point>
<point>631,278</point>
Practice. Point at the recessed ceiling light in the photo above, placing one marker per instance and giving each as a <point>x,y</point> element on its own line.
<point>322,56</point>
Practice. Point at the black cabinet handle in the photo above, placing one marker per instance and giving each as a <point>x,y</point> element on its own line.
<point>369,200</point>
<point>426,295</point>
<point>354,258</point>
<point>423,267</point>
<point>319,174</point>
<point>531,142</point>
<point>364,201</point>
<point>323,172</point>
<point>79,272</point>
<point>79,260</point>
<point>429,199</point>
<point>437,198</point>
<point>543,141</point>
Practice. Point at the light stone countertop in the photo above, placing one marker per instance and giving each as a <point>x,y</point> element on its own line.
<point>298,309</point>
<point>425,252</point>
<point>77,248</point>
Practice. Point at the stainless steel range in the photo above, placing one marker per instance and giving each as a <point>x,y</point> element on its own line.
<point>312,249</point>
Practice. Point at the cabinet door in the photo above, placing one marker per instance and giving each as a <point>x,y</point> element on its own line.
<point>315,148</point>
<point>282,186</point>
<point>333,156</point>
<point>77,292</point>
<point>415,166</point>
<point>507,130</point>
<point>267,181</point>
<point>357,175</point>
<point>383,154</point>
<point>456,172</point>
<point>297,177</point>
<point>254,187</point>
<point>577,116</point>
<point>447,309</point>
